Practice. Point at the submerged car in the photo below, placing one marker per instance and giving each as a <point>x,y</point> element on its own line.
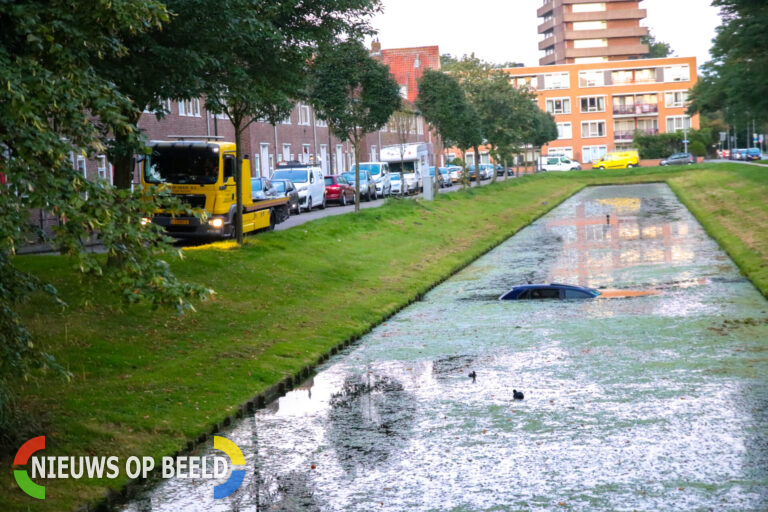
<point>549,291</point>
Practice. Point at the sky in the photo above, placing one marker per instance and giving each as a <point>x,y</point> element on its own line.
<point>505,30</point>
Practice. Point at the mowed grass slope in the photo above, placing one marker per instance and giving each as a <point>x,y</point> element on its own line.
<point>147,381</point>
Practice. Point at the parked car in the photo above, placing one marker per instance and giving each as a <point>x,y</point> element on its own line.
<point>367,184</point>
<point>486,171</point>
<point>286,188</point>
<point>396,183</point>
<point>500,170</point>
<point>379,172</point>
<point>549,291</point>
<point>679,159</point>
<point>412,182</point>
<point>753,154</point>
<point>308,180</point>
<point>447,180</point>
<point>439,177</point>
<point>455,171</point>
<point>738,154</point>
<point>617,160</point>
<point>339,190</point>
<point>262,189</point>
<point>472,172</point>
<point>558,163</point>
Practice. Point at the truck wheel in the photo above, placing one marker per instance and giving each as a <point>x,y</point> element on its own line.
<point>271,220</point>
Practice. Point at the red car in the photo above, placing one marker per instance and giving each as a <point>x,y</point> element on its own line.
<point>338,189</point>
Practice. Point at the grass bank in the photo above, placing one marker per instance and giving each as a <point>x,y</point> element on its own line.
<point>147,381</point>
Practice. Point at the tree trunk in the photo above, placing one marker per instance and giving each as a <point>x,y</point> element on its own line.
<point>493,175</point>
<point>237,122</point>
<point>477,166</point>
<point>356,145</point>
<point>122,156</point>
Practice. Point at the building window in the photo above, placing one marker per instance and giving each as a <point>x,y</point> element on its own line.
<point>286,119</point>
<point>305,153</point>
<point>647,75</point>
<point>677,73</point>
<point>566,152</point>
<point>80,166</point>
<point>286,156</point>
<point>256,164</point>
<point>304,115</point>
<point>420,125</point>
<point>559,105</point>
<point>591,7</point>
<point>676,99</point>
<point>404,91</point>
<point>593,104</point>
<point>189,108</point>
<point>556,81</point>
<point>589,25</point>
<point>591,78</point>
<point>320,123</point>
<point>592,153</point>
<point>374,154</point>
<point>589,60</point>
<point>590,43</point>
<point>676,123</point>
<point>592,129</point>
<point>564,131</point>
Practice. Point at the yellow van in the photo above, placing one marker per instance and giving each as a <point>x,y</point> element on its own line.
<point>617,160</point>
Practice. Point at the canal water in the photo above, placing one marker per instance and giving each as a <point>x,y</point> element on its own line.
<point>648,403</point>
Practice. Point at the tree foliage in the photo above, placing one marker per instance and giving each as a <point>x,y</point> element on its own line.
<point>656,49</point>
<point>662,145</point>
<point>353,93</point>
<point>735,81</point>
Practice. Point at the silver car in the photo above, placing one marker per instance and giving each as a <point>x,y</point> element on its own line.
<point>367,184</point>
<point>396,182</point>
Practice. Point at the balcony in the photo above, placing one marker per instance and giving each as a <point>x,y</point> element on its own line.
<point>628,135</point>
<point>607,51</point>
<point>606,33</point>
<point>617,14</point>
<point>546,7</point>
<point>546,43</point>
<point>547,60</point>
<point>547,25</point>
<point>637,109</point>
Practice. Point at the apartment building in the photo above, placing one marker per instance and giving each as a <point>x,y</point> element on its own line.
<point>584,31</point>
<point>599,106</point>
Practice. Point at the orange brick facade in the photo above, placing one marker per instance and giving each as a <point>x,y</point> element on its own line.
<point>599,106</point>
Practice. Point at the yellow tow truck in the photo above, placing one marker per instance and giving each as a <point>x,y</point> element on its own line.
<point>202,175</point>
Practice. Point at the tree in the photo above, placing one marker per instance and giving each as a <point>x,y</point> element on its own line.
<point>735,81</point>
<point>444,105</point>
<point>544,129</point>
<point>354,93</point>
<point>53,105</point>
<point>656,49</point>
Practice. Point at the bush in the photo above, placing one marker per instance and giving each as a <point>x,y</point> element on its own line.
<point>697,148</point>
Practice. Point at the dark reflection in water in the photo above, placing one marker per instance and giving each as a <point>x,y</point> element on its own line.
<point>369,418</point>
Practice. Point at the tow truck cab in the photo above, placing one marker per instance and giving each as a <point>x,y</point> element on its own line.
<point>202,175</point>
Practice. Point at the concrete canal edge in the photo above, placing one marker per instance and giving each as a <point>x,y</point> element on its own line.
<point>111,498</point>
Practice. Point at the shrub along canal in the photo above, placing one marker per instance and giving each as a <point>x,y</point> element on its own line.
<point>654,402</point>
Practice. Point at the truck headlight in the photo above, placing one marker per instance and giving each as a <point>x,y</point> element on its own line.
<point>216,223</point>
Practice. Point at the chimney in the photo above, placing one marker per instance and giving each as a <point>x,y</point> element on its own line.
<point>376,47</point>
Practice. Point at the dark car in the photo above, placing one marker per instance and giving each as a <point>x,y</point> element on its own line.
<point>752,154</point>
<point>679,159</point>
<point>338,189</point>
<point>287,189</point>
<point>549,291</point>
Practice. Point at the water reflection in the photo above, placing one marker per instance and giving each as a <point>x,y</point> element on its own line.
<point>645,403</point>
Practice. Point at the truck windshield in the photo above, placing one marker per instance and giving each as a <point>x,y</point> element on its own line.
<point>407,166</point>
<point>182,164</point>
<point>296,176</point>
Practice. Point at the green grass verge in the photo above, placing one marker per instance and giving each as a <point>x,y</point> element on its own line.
<point>147,381</point>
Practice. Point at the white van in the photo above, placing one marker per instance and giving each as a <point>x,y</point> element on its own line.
<point>309,181</point>
<point>558,163</point>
